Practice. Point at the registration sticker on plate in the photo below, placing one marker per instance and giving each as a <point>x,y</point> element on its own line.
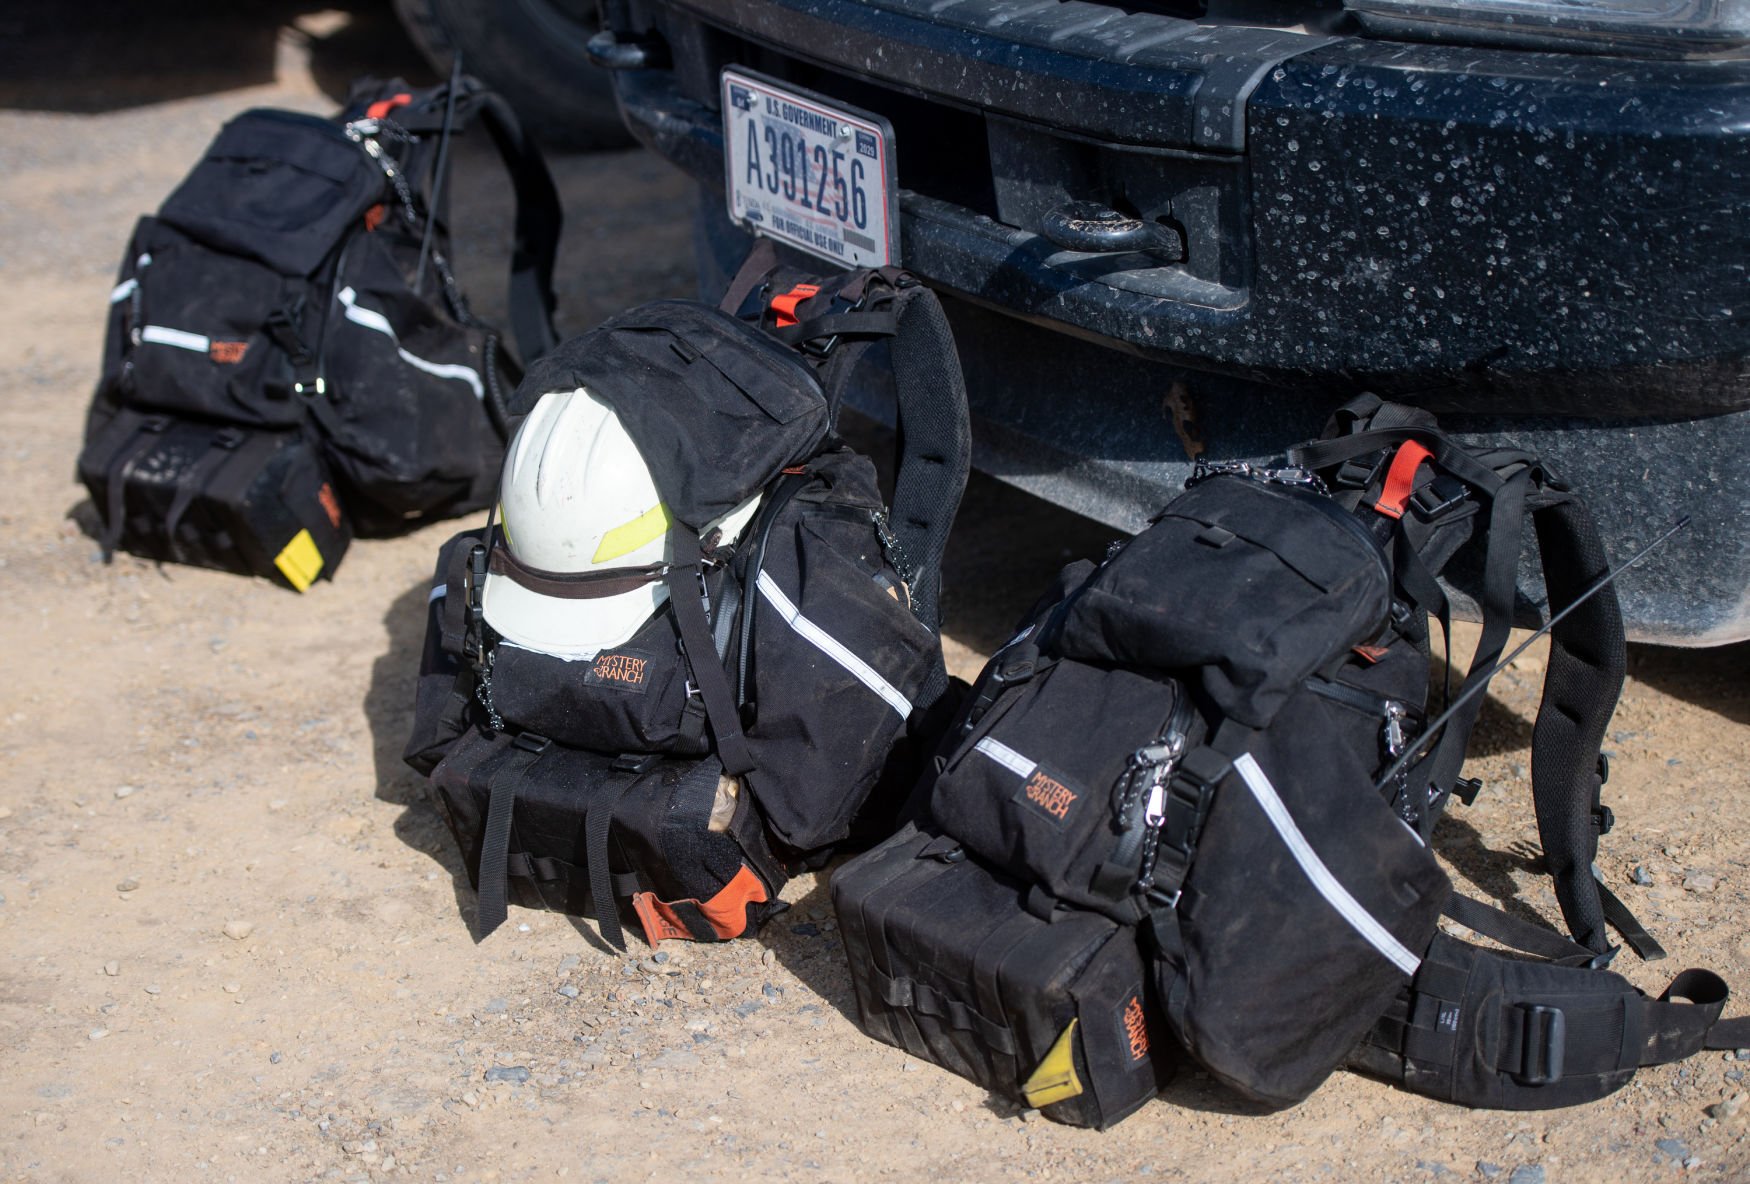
<point>810,172</point>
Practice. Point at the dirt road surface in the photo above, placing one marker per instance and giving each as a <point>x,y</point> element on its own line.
<point>235,937</point>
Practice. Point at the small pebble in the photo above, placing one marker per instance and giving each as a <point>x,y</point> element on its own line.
<point>1028,1115</point>
<point>496,1006</point>
<point>112,968</point>
<point>806,929</point>
<point>569,962</point>
<point>769,957</point>
<point>1642,876</point>
<point>128,885</point>
<point>659,957</point>
<point>650,966</point>
<point>569,991</point>
<point>97,1034</point>
<point>525,927</point>
<point>233,988</point>
<point>152,989</point>
<point>124,791</point>
<point>238,930</point>
<point>909,1067</point>
<point>274,1058</point>
<point>1699,882</point>
<point>277,805</point>
<point>512,1073</point>
<point>1531,1173</point>
<point>1487,1170</point>
<point>1673,1149</point>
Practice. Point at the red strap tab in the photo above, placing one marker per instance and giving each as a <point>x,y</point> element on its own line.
<point>785,305</point>
<point>1400,479</point>
<point>382,107</point>
<point>725,912</point>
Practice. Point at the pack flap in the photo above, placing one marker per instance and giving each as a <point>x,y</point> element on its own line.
<point>276,186</point>
<point>1258,584</point>
<point>716,407</point>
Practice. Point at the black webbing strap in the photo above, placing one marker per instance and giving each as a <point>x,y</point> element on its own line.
<point>925,1000</point>
<point>194,480</point>
<point>138,442</point>
<point>597,825</point>
<point>709,680</point>
<point>1587,662</point>
<point>1489,921</point>
<point>1644,944</point>
<point>536,235</point>
<point>501,793</point>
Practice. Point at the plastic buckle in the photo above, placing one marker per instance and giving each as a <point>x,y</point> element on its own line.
<point>1358,472</point>
<point>1439,496</point>
<point>636,762</point>
<point>532,742</point>
<point>820,349</point>
<point>228,438</point>
<point>1466,789</point>
<point>1603,818</point>
<point>1543,1044</point>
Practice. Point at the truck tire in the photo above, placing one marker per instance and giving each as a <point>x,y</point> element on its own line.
<point>532,53</point>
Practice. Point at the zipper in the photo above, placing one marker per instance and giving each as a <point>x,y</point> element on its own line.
<point>1142,790</point>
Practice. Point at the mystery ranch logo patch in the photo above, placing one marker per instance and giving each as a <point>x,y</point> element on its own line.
<point>623,670</point>
<point>1134,1023</point>
<point>1048,795</point>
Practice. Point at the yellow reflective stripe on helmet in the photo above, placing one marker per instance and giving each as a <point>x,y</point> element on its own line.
<point>300,562</point>
<point>1055,1079</point>
<point>628,537</point>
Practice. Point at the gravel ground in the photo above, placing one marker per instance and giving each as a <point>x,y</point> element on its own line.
<point>236,936</point>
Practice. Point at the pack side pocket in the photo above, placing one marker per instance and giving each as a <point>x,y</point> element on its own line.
<point>1038,793</point>
<point>631,698</point>
<point>1276,997</point>
<point>838,660</point>
<point>442,706</point>
<point>199,345</point>
<point>407,383</point>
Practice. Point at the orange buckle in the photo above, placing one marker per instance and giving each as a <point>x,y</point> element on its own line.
<point>382,107</point>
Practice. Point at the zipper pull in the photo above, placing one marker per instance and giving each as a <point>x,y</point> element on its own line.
<point>1395,714</point>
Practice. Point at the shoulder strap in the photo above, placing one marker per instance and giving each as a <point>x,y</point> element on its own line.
<point>535,237</point>
<point>835,321</point>
<point>1587,662</point>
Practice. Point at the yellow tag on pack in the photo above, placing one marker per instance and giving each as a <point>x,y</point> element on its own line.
<point>1055,1079</point>
<point>300,562</point>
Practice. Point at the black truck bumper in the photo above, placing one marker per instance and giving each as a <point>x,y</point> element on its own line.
<point>1547,249</point>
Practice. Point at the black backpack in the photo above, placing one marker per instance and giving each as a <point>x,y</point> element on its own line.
<point>781,686</point>
<point>1187,738</point>
<point>297,286</point>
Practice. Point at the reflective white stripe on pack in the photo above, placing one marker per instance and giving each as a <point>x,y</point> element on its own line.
<point>1362,921</point>
<point>831,646</point>
<point>1005,756</point>
<point>374,320</point>
<point>123,290</point>
<point>438,593</point>
<point>159,335</point>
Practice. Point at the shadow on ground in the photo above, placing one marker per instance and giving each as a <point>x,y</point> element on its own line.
<point>108,55</point>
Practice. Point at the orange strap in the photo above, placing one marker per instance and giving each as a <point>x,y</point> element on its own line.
<point>1400,479</point>
<point>785,305</point>
<point>726,912</point>
<point>382,107</point>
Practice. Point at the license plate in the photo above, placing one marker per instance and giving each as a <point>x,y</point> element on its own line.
<point>809,172</point>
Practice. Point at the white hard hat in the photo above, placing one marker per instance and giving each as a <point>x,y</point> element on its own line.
<point>577,499</point>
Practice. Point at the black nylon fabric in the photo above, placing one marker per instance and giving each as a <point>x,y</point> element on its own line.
<point>1257,584</point>
<point>1490,1031</point>
<point>1060,820</point>
<point>278,187</point>
<point>1270,982</point>
<point>1587,664</point>
<point>659,830</point>
<point>715,407</point>
<point>948,965</point>
<point>210,494</point>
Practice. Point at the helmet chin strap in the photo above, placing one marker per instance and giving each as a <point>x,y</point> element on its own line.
<point>574,585</point>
